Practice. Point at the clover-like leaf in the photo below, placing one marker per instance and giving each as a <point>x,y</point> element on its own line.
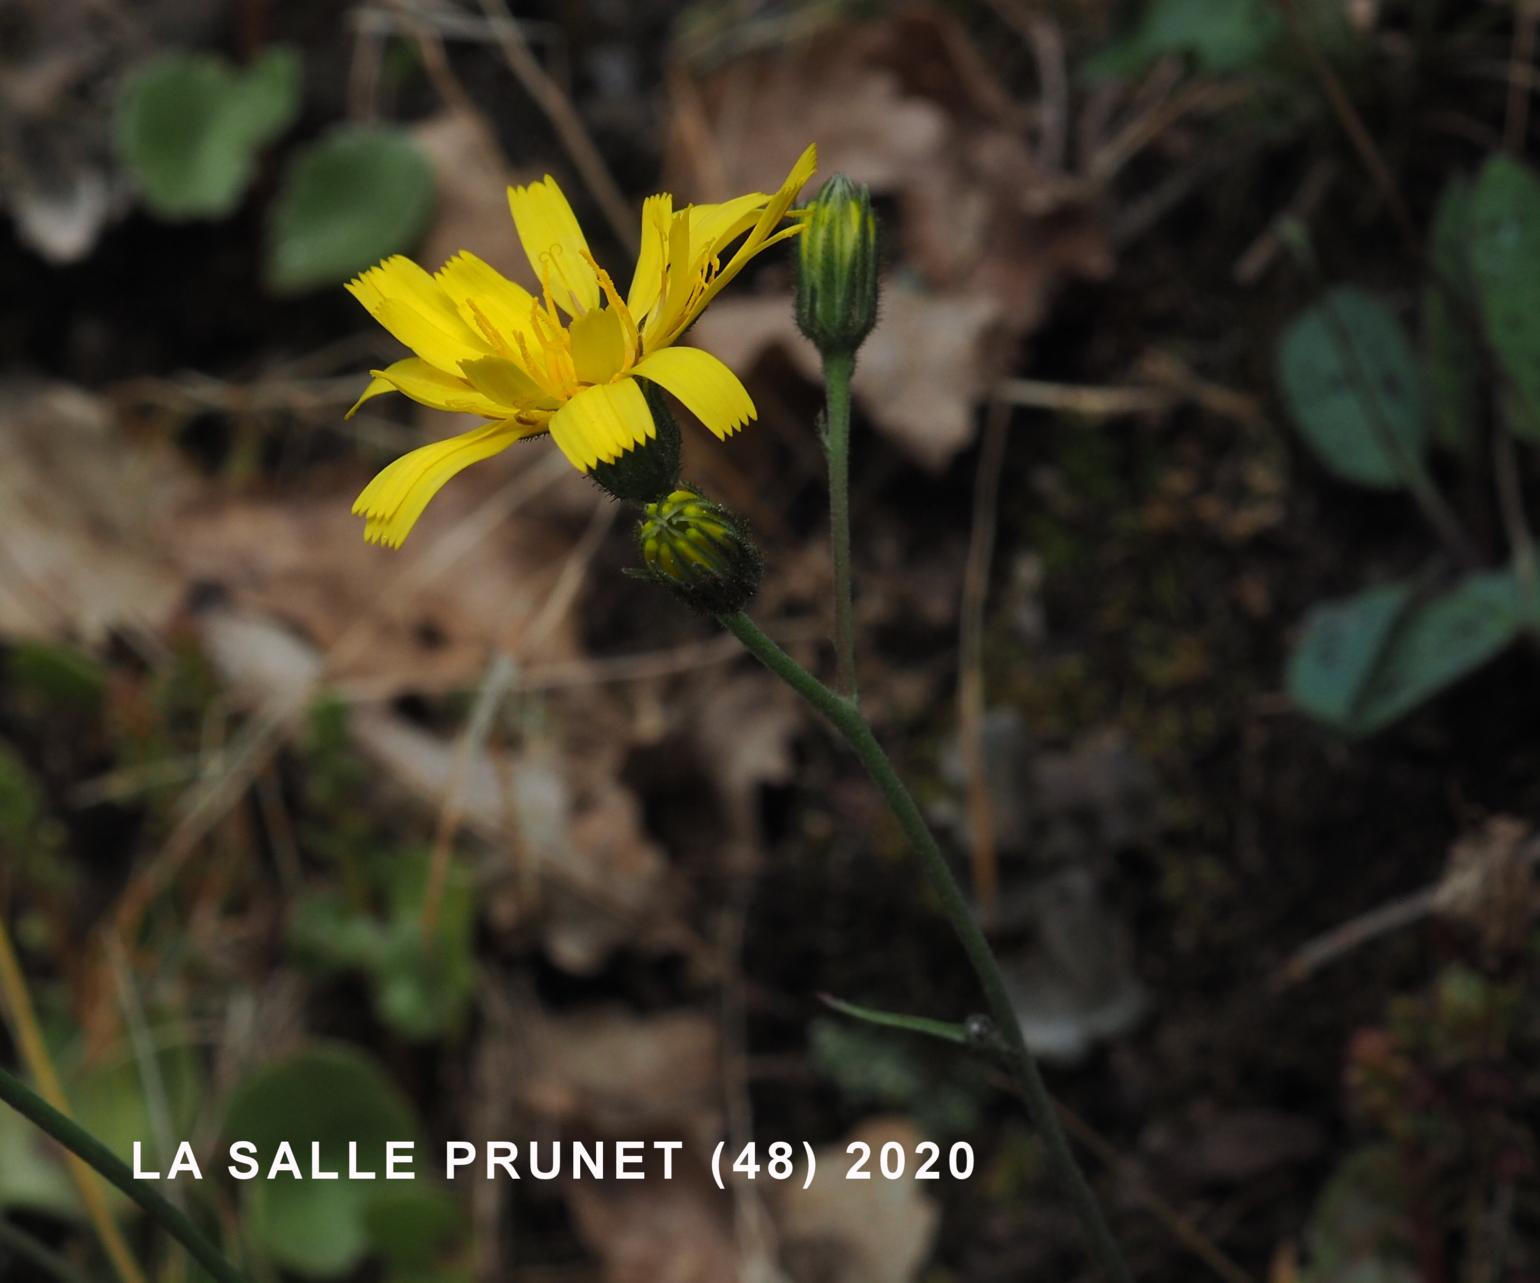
<point>1364,662</point>
<point>1505,267</point>
<point>350,199</point>
<point>1350,381</point>
<point>329,1097</point>
<point>189,127</point>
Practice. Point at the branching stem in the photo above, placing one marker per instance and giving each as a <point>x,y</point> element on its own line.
<point>847,720</point>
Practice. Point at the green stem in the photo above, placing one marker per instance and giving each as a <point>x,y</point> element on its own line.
<point>852,726</point>
<point>837,369</point>
<point>88,1149</point>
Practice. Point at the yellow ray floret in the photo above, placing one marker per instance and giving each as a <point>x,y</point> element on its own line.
<point>568,361</point>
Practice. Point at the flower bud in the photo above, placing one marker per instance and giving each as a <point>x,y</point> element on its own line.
<point>648,471</point>
<point>837,268</point>
<point>700,551</point>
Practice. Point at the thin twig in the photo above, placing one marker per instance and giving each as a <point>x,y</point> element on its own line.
<point>1516,118</point>
<point>970,648</point>
<point>846,718</point>
<point>1181,1226</point>
<point>473,738</point>
<point>569,127</point>
<point>501,674</point>
<point>1093,402</point>
<point>1353,126</point>
<point>257,742</point>
<point>1042,33</point>
<point>34,1054</point>
<point>1390,916</point>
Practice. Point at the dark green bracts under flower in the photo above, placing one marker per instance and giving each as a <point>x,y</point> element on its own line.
<point>650,471</point>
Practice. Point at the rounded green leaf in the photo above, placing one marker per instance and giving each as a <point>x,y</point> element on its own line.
<point>1352,389</point>
<point>1440,641</point>
<point>328,1097</point>
<point>409,1226</point>
<point>189,126</point>
<point>1337,652</point>
<point>1221,36</point>
<point>1505,265</point>
<point>352,198</point>
<point>1371,659</point>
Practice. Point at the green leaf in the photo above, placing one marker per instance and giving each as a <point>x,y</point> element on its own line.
<point>870,1066</point>
<point>942,1029</point>
<point>110,1099</point>
<point>352,198</point>
<point>327,1096</point>
<point>1505,265</point>
<point>421,986</point>
<point>1351,385</point>
<point>1339,648</point>
<point>1440,641</point>
<point>63,676</point>
<point>1221,36</point>
<point>411,1226</point>
<point>1451,355</point>
<point>189,127</point>
<point>31,1176</point>
<point>1360,1229</point>
<point>1367,661</point>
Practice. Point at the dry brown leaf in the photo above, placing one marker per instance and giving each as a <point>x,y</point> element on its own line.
<point>844,1231</point>
<point>981,241</point>
<point>619,1074</point>
<point>428,623</point>
<point>920,374</point>
<point>1489,883</point>
<point>745,726</point>
<point>84,535</point>
<point>471,181</point>
<point>677,1231</point>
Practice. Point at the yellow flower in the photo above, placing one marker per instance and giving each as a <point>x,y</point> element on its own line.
<point>568,361</point>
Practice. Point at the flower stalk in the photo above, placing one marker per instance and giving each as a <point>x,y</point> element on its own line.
<point>857,733</point>
<point>93,1153</point>
<point>838,368</point>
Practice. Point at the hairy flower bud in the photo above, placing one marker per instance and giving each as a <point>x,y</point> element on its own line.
<point>648,471</point>
<point>837,268</point>
<point>700,551</point>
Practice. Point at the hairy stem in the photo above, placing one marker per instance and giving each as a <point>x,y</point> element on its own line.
<point>91,1151</point>
<point>848,721</point>
<point>837,369</point>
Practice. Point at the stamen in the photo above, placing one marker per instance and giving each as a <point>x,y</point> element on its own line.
<point>553,256</point>
<point>489,331</point>
<point>627,323</point>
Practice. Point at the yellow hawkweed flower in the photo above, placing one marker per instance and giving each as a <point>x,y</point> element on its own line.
<point>568,361</point>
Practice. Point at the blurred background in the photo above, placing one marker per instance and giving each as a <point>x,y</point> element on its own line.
<point>1192,465</point>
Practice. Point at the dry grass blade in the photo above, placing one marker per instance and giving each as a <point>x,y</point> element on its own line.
<point>501,674</point>
<point>970,683</point>
<point>34,1054</point>
<point>566,122</point>
<point>254,746</point>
